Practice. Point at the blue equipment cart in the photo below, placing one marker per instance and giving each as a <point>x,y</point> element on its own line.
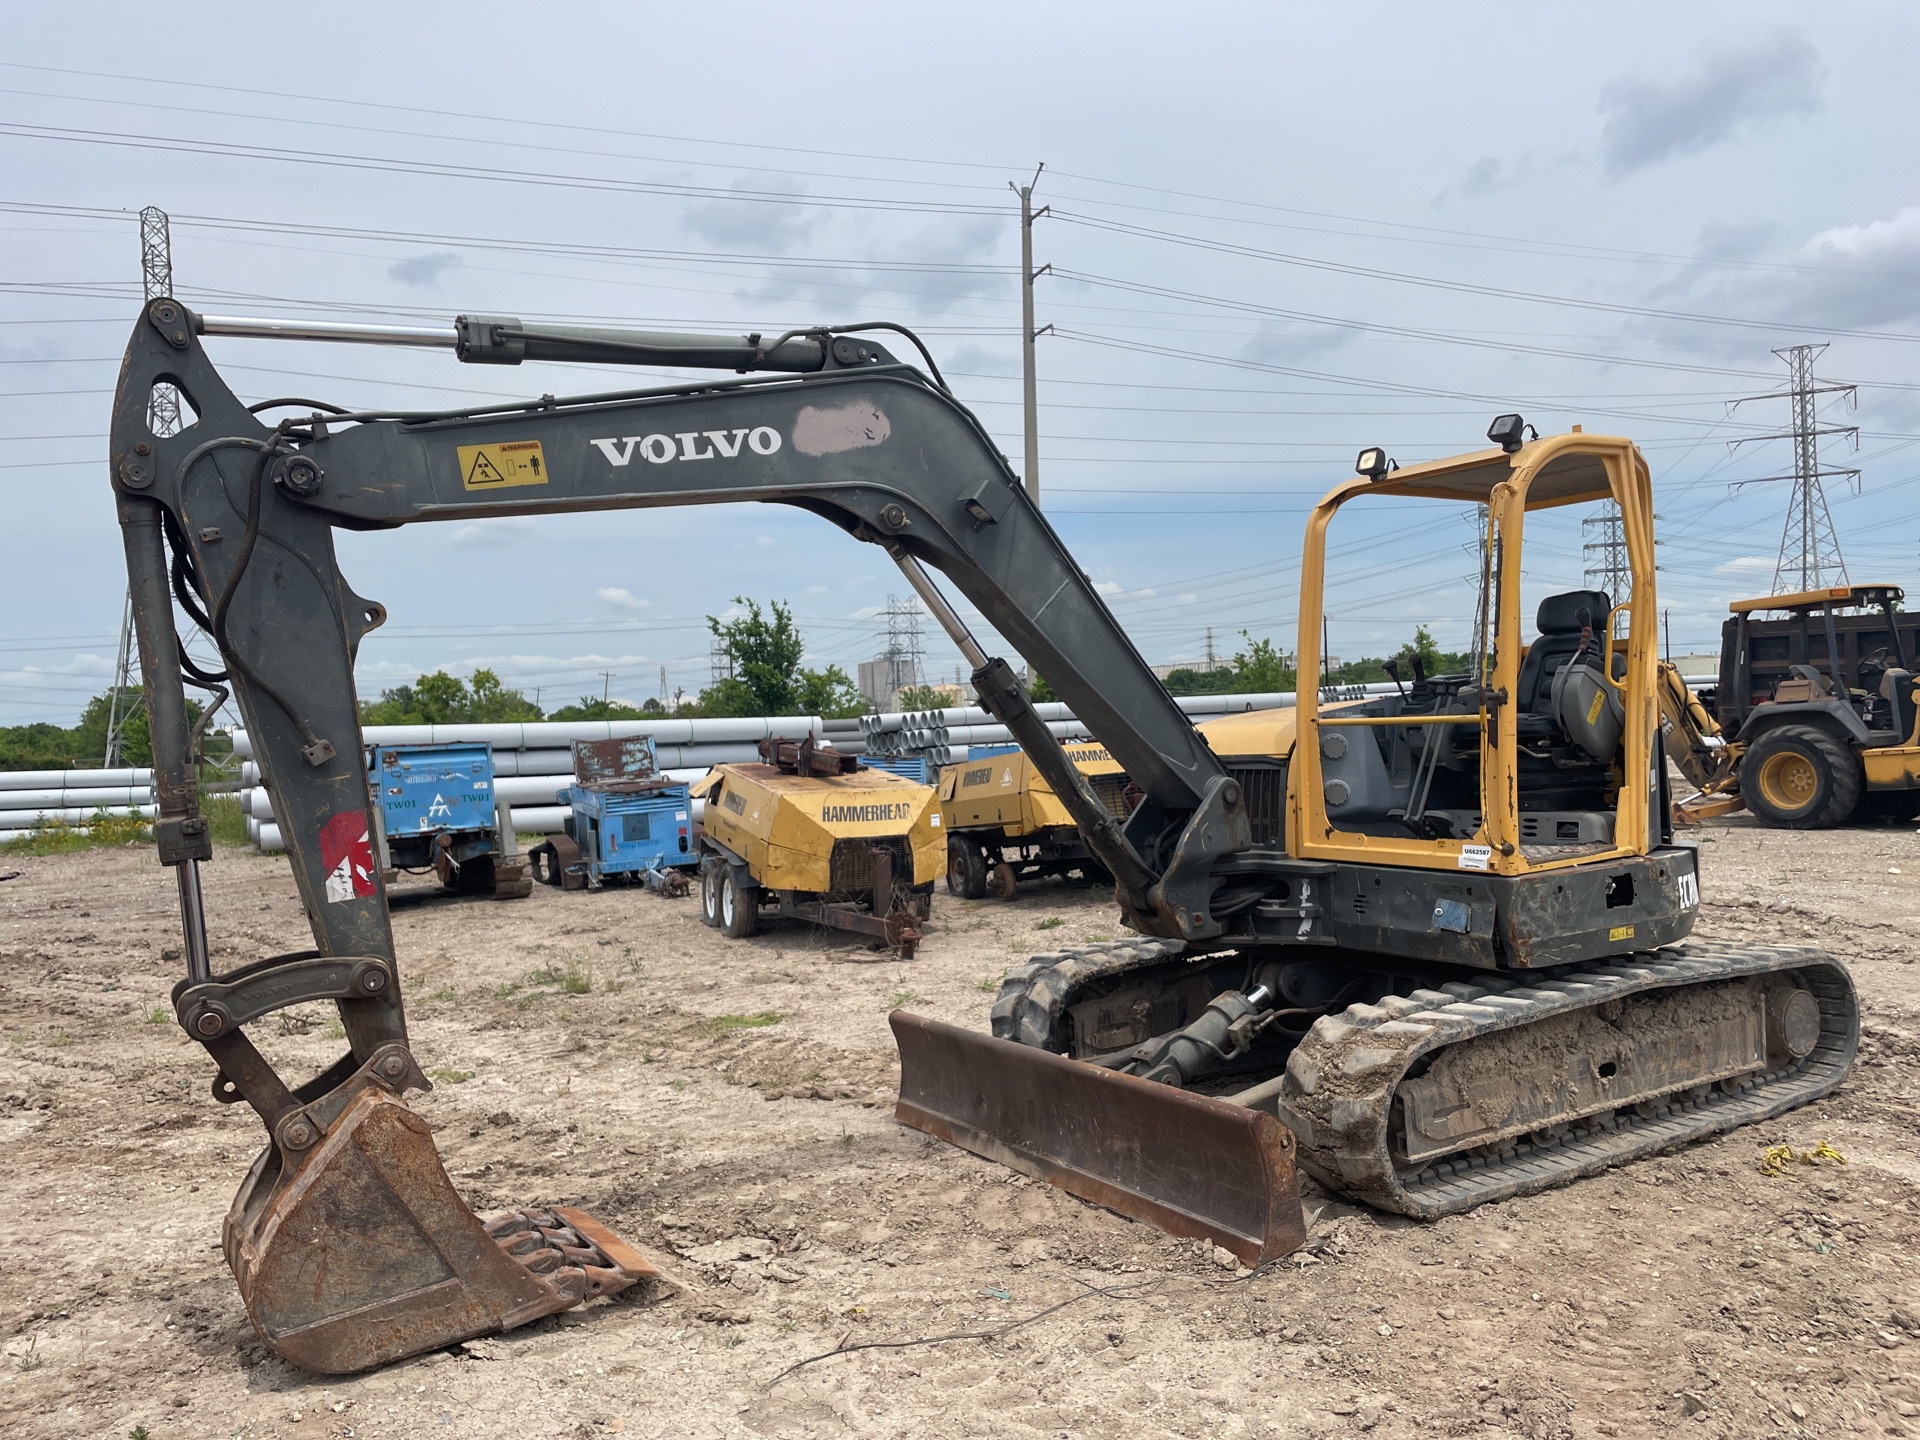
<point>627,820</point>
<point>914,767</point>
<point>437,811</point>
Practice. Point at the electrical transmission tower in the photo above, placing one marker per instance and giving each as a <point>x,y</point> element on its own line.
<point>163,418</point>
<point>906,652</point>
<point>1810,556</point>
<point>1603,546</point>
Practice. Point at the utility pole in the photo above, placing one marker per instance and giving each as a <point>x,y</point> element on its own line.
<point>1213,661</point>
<point>1030,390</point>
<point>606,686</point>
<point>1810,556</point>
<point>163,418</point>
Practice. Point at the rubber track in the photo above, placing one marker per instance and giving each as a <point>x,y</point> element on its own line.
<point>1033,998</point>
<point>1343,1130</point>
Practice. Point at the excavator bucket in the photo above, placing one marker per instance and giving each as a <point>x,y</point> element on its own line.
<point>1192,1165</point>
<point>362,1252</point>
<point>1705,806</point>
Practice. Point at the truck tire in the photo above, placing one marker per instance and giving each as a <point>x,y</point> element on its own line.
<point>1798,777</point>
<point>710,892</point>
<point>739,907</point>
<point>966,868</point>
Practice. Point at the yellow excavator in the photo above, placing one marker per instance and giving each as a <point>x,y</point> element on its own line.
<point>1814,718</point>
<point>1432,946</point>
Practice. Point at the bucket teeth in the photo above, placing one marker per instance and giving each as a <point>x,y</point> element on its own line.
<point>552,1246</point>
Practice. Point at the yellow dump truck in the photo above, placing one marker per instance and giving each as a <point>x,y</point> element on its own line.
<point>812,835</point>
<point>1004,823</point>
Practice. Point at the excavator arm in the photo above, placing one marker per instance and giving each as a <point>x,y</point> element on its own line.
<point>233,518</point>
<point>1693,741</point>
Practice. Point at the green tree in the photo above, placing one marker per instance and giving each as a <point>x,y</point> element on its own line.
<point>592,707</point>
<point>1038,690</point>
<point>766,647</point>
<point>1260,667</point>
<point>42,746</point>
<point>830,694</point>
<point>1222,680</point>
<point>922,697</point>
<point>443,699</point>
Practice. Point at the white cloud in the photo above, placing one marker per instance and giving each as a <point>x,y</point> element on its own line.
<point>1108,587</point>
<point>1189,598</point>
<point>495,534</point>
<point>621,598</point>
<point>1746,565</point>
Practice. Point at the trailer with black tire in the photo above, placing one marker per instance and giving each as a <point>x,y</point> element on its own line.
<point>812,835</point>
<point>1005,824</point>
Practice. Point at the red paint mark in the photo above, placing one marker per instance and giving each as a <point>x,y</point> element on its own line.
<point>346,850</point>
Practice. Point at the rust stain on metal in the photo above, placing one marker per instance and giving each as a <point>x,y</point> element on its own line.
<point>363,1253</point>
<point>605,762</point>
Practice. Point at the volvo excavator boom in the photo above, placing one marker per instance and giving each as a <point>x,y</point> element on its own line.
<point>234,516</point>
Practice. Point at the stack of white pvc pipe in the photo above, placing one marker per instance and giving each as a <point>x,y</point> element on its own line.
<point>30,799</point>
<point>944,736</point>
<point>533,762</point>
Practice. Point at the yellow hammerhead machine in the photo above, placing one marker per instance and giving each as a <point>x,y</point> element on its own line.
<point>1432,947</point>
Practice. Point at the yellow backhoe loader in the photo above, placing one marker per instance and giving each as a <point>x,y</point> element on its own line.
<point>1814,719</point>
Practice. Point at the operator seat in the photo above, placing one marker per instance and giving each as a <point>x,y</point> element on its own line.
<point>1896,688</point>
<point>1560,620</point>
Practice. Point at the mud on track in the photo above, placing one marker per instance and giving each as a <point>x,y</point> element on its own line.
<point>1686,1294</point>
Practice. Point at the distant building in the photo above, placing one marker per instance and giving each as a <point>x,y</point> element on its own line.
<point>1698,664</point>
<point>883,678</point>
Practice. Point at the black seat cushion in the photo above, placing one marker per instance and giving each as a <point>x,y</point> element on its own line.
<point>1561,619</point>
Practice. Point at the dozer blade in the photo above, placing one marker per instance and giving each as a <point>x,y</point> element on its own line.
<point>363,1253</point>
<point>1190,1164</point>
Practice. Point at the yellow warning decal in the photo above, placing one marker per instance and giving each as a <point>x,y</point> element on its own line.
<point>496,467</point>
<point>1593,710</point>
<point>1620,932</point>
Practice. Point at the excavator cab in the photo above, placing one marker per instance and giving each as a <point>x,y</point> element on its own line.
<point>1536,754</point>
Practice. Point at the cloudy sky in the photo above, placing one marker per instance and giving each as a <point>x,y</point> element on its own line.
<point>1279,233</point>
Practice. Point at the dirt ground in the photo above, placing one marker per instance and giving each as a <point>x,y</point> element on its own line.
<point>590,1049</point>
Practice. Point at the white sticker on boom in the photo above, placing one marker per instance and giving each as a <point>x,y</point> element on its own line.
<point>1476,857</point>
<point>1689,890</point>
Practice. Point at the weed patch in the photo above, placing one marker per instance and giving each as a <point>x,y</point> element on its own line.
<point>61,837</point>
<point>758,1021</point>
<point>447,1075</point>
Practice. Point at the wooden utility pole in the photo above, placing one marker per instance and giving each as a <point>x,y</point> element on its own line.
<point>1029,385</point>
